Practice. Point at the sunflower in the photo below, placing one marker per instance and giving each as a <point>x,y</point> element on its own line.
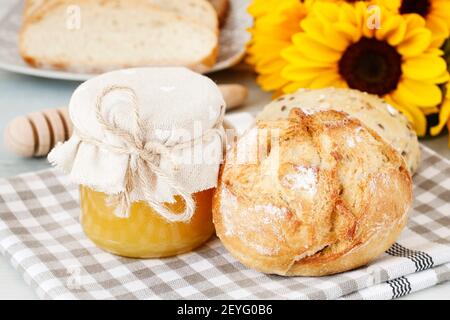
<point>435,12</point>
<point>271,34</point>
<point>444,114</point>
<point>339,48</point>
<point>259,8</point>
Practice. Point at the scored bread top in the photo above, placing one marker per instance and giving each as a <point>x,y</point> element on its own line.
<point>321,194</point>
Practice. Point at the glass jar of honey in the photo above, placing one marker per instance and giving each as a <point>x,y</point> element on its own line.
<point>146,149</point>
<point>144,233</point>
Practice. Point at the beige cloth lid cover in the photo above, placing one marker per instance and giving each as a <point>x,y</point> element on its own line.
<point>175,105</point>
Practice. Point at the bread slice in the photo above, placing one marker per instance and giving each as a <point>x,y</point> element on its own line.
<point>222,8</point>
<point>114,34</point>
<point>31,7</point>
<point>200,11</point>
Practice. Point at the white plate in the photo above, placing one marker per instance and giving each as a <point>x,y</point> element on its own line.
<point>233,39</point>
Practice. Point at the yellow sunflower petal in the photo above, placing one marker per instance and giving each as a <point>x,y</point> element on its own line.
<point>270,67</point>
<point>296,74</point>
<point>414,21</point>
<point>326,12</point>
<point>266,58</point>
<point>443,78</point>
<point>292,87</point>
<point>397,106</point>
<point>277,93</point>
<point>396,37</point>
<point>348,14</point>
<point>350,31</point>
<point>444,117</point>
<point>414,114</point>
<point>271,82</point>
<point>424,67</point>
<point>441,8</point>
<point>314,50</point>
<point>259,8</point>
<point>341,84</point>
<point>439,29</point>
<point>429,111</point>
<point>419,93</point>
<point>323,34</point>
<point>448,128</point>
<point>391,5</point>
<point>326,79</point>
<point>367,14</point>
<point>393,30</point>
<point>435,51</point>
<point>415,43</point>
<point>436,41</point>
<point>295,57</point>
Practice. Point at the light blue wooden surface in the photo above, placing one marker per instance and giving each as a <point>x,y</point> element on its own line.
<point>20,95</point>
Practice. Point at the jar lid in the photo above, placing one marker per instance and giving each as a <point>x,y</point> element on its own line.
<point>145,134</point>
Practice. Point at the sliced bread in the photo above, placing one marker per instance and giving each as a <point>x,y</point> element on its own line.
<point>222,8</point>
<point>200,11</point>
<point>31,7</point>
<point>114,34</point>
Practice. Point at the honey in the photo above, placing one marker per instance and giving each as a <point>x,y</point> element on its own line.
<point>122,145</point>
<point>145,234</point>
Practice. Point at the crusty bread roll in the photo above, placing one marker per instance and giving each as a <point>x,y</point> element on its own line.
<point>374,112</point>
<point>116,34</point>
<point>311,195</point>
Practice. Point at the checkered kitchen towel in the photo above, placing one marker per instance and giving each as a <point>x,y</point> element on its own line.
<point>41,236</point>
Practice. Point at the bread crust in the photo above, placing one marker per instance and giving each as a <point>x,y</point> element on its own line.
<point>32,7</point>
<point>203,65</point>
<point>222,8</point>
<point>343,206</point>
<point>373,111</point>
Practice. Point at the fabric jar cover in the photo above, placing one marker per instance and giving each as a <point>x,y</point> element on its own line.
<point>175,107</point>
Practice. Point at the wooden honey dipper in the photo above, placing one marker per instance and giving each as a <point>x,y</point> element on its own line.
<point>35,134</point>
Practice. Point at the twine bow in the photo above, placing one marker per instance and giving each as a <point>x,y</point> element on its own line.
<point>146,155</point>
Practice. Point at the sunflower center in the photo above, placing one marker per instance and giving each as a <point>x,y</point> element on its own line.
<point>421,7</point>
<point>371,66</point>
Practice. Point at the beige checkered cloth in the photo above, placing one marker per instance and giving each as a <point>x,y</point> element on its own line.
<point>41,236</point>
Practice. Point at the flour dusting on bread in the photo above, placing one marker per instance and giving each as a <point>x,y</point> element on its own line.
<point>326,205</point>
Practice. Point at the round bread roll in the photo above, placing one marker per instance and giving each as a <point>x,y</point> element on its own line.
<point>311,195</point>
<point>374,112</point>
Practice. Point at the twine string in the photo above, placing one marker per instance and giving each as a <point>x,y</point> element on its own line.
<point>146,165</point>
